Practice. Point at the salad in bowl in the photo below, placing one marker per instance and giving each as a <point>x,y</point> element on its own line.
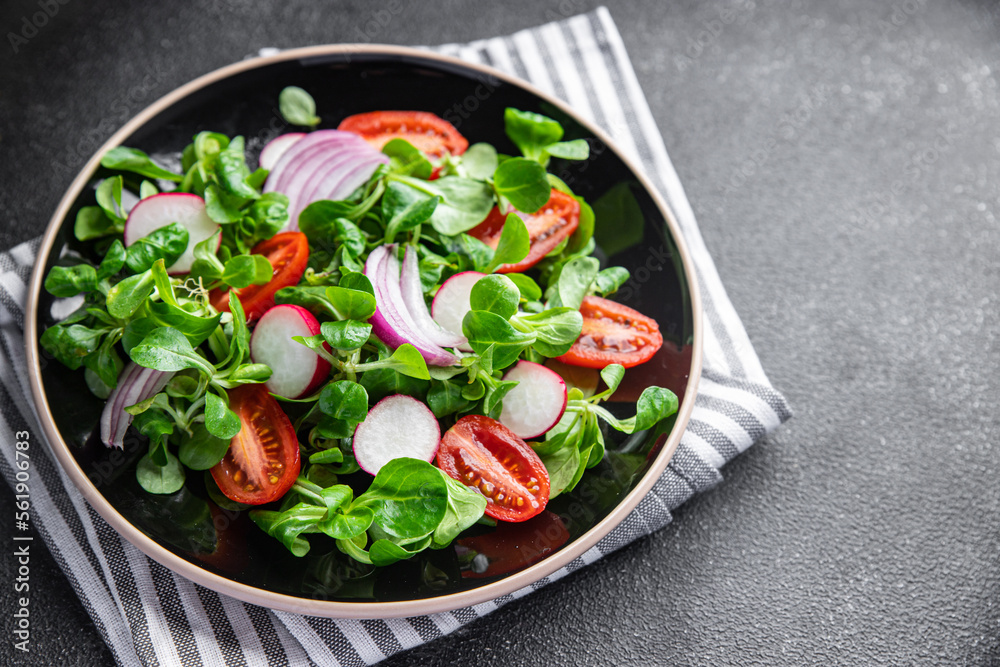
<point>381,336</point>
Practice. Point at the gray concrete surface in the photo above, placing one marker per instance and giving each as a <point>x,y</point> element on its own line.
<point>842,157</point>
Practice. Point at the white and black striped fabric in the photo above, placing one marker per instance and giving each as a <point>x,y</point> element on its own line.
<point>150,616</point>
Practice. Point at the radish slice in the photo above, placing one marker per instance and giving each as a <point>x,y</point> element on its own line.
<point>392,322</point>
<point>327,164</point>
<point>295,369</point>
<point>276,147</point>
<point>398,426</point>
<point>135,385</point>
<point>536,403</point>
<point>451,303</point>
<point>160,210</point>
<point>413,295</point>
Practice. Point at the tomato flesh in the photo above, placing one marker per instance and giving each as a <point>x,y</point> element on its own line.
<point>515,546</point>
<point>263,458</point>
<point>486,456</point>
<point>288,253</point>
<point>430,133</point>
<point>613,334</point>
<point>547,228</point>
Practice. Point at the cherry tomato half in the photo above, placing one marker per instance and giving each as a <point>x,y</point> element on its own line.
<point>515,546</point>
<point>547,228</point>
<point>431,134</point>
<point>486,456</point>
<point>263,458</point>
<point>288,253</point>
<point>613,334</point>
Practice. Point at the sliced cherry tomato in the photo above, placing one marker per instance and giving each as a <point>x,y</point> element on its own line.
<point>515,546</point>
<point>288,253</point>
<point>613,334</point>
<point>486,456</point>
<point>433,135</point>
<point>547,228</point>
<point>263,458</point>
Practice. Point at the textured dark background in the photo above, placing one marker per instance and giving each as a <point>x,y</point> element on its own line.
<point>842,157</point>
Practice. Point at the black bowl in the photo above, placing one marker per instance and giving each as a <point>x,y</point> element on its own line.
<point>221,549</point>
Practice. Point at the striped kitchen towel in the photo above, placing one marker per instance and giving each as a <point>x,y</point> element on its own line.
<point>150,616</point>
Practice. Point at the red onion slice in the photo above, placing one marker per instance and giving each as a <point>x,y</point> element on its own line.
<point>135,385</point>
<point>327,164</point>
<point>413,298</point>
<point>392,322</point>
<point>312,143</point>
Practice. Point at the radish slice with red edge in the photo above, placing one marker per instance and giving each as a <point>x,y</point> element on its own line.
<point>276,147</point>
<point>536,403</point>
<point>451,303</point>
<point>135,385</point>
<point>160,210</point>
<point>413,295</point>
<point>295,369</point>
<point>392,322</point>
<point>398,426</point>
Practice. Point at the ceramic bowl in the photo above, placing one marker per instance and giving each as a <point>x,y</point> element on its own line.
<point>224,551</point>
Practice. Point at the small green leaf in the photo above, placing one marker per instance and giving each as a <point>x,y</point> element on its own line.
<point>531,132</point>
<point>147,189</point>
<point>251,374</point>
<point>488,331</point>
<point>134,160</point>
<point>575,280</point>
<point>578,149</point>
<point>530,291</point>
<point>523,182</point>
<point>346,334</point>
<point>344,400</point>
<point>556,329</point>
<point>493,401</point>
<point>609,280</point>
<point>92,223</point>
<point>514,244</point>
<point>409,498</point>
<point>497,294</point>
<point>158,479</point>
<point>128,295</point>
<point>244,270</point>
<point>465,202</point>
<point>480,161</point>
<point>201,450</point>
<point>465,507</point>
<point>220,207</point>
<point>109,198</point>
<point>407,158</point>
<point>219,419</point>
<point>445,398</point>
<point>167,243</point>
<point>408,361</point>
<point>70,344</point>
<point>114,260</point>
<point>67,281</point>
<point>654,404</point>
<point>332,455</point>
<point>298,107</point>
<point>167,349</point>
<point>562,466</point>
<point>404,208</point>
<point>287,526</point>
<point>612,375</point>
